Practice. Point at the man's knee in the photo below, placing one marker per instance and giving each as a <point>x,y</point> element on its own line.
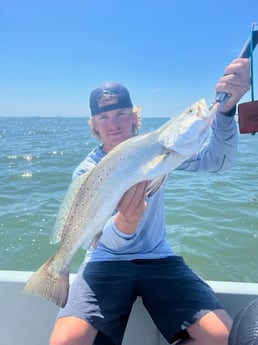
<point>72,331</point>
<point>212,329</point>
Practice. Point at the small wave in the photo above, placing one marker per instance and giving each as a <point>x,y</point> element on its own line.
<point>12,157</point>
<point>28,157</point>
<point>26,174</point>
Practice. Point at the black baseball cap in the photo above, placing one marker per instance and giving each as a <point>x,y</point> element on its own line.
<point>108,90</point>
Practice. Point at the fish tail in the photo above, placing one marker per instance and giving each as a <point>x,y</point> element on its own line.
<point>49,283</point>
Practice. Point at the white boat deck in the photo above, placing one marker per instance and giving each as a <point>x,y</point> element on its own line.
<point>28,320</point>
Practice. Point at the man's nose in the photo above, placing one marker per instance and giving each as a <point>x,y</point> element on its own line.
<point>113,121</point>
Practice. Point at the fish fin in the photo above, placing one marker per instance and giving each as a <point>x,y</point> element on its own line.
<point>66,204</point>
<point>155,185</point>
<point>47,283</point>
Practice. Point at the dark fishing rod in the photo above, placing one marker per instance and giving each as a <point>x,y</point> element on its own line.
<point>247,112</point>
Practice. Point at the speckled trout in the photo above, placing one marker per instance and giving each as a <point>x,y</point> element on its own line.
<point>92,197</point>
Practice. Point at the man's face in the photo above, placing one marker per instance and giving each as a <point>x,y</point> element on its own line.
<point>114,126</point>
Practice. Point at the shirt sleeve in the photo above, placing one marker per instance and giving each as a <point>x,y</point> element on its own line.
<point>112,237</point>
<point>219,153</point>
<point>85,166</point>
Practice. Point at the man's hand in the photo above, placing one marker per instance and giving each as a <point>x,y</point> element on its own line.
<point>131,207</point>
<point>236,82</point>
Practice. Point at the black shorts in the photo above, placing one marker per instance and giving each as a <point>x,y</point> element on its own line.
<point>103,294</point>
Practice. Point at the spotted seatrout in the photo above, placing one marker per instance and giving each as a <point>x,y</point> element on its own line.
<point>92,197</point>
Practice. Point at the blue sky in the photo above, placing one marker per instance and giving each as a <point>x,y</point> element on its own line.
<point>169,53</point>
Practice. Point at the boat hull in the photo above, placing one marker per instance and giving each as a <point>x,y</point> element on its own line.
<point>27,320</point>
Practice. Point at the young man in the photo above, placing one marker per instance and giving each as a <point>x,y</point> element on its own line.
<point>131,257</point>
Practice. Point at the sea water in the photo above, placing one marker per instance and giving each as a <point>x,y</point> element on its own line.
<point>212,219</point>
